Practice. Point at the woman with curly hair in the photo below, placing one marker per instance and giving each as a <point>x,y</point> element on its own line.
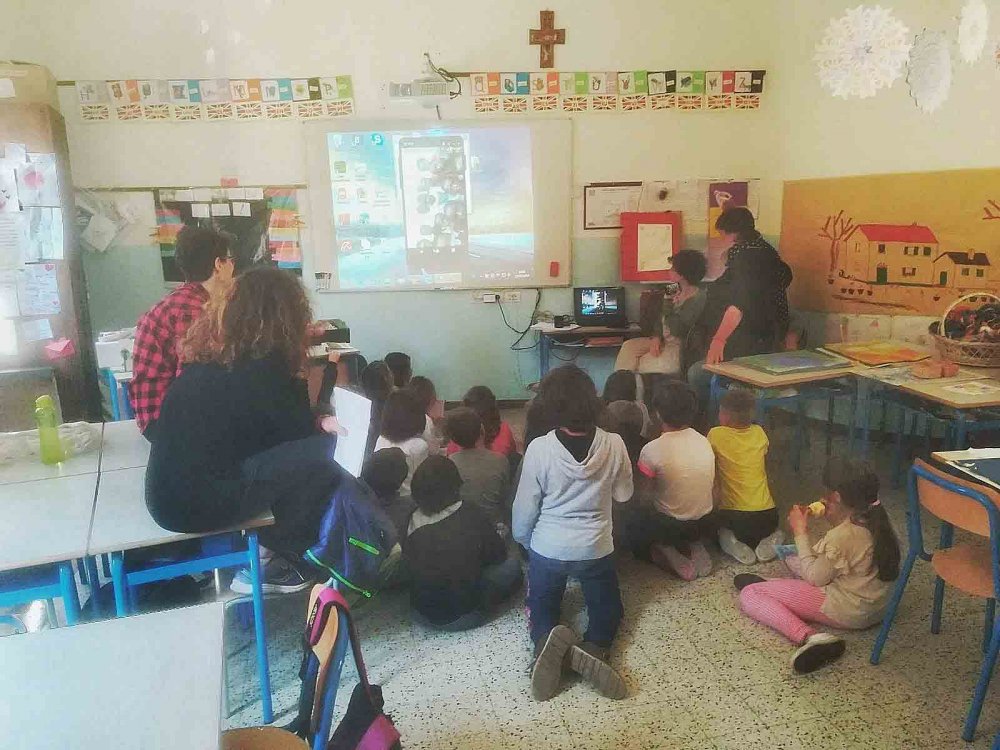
<point>236,435</point>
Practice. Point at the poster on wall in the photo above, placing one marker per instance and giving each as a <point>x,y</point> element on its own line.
<point>264,221</point>
<point>894,244</point>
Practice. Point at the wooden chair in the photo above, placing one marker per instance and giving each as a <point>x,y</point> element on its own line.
<point>971,567</point>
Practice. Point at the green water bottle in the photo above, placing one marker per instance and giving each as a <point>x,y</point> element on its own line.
<point>48,431</point>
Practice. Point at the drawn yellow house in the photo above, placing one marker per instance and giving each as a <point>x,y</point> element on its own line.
<point>969,270</point>
<point>891,254</point>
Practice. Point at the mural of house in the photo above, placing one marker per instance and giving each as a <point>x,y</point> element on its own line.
<point>892,254</point>
<point>969,270</point>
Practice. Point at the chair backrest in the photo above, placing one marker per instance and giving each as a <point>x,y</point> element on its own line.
<point>953,500</point>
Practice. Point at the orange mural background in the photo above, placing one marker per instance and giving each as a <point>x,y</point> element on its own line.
<point>960,207</point>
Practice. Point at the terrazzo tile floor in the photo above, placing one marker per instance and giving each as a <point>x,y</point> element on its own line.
<point>700,674</point>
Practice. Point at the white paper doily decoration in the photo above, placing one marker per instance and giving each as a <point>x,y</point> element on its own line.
<point>862,51</point>
<point>929,75</point>
<point>973,26</point>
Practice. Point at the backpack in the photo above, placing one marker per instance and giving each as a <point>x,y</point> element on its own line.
<point>355,537</point>
<point>364,726</point>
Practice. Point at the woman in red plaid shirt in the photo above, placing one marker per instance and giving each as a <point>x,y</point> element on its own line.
<point>205,258</point>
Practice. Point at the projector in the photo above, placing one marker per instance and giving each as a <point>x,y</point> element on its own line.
<point>427,92</point>
<point>430,90</point>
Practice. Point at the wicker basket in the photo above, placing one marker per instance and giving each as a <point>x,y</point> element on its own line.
<point>973,353</point>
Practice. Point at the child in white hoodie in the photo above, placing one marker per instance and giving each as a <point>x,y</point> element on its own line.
<point>562,514</point>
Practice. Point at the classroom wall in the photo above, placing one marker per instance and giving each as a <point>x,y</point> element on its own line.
<point>454,341</point>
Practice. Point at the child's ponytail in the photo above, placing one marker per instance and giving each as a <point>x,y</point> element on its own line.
<point>857,485</point>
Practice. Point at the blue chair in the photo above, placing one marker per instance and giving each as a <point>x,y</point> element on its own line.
<point>121,405</point>
<point>970,567</point>
<point>47,582</point>
<point>217,552</point>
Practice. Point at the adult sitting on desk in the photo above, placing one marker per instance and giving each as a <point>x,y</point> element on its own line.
<point>236,435</point>
<point>667,324</point>
<point>746,308</point>
<point>205,258</point>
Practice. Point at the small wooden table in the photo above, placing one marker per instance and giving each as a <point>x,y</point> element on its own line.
<point>556,337</point>
<point>150,681</point>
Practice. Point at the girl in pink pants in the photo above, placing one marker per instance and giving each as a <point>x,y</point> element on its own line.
<point>846,577</point>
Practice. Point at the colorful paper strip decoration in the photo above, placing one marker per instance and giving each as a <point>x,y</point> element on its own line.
<point>217,99</point>
<point>617,91</point>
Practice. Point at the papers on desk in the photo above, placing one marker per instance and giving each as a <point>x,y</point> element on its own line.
<point>354,412</point>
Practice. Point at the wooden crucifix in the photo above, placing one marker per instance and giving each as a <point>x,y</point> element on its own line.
<point>546,38</point>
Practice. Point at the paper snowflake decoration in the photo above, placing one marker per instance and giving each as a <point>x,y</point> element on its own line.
<point>973,26</point>
<point>862,51</point>
<point>929,75</point>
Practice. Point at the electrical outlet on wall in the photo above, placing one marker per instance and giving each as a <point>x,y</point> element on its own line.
<point>511,295</point>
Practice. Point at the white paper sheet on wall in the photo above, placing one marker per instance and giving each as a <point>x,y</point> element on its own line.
<point>8,187</point>
<point>13,239</point>
<point>690,198</point>
<point>8,295</point>
<point>38,290</point>
<point>655,247</point>
<point>36,330</point>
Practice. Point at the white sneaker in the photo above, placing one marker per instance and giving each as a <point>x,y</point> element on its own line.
<point>819,650</point>
<point>735,548</point>
<point>766,549</point>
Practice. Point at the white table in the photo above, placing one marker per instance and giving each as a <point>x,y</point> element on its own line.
<point>121,521</point>
<point>45,521</point>
<point>32,469</point>
<point>123,446</point>
<point>150,681</point>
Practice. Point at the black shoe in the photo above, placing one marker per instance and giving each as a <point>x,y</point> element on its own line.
<point>819,650</point>
<point>742,580</point>
<point>546,673</point>
<point>591,663</point>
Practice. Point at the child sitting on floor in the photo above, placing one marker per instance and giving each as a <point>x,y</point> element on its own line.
<point>403,427</point>
<point>747,518</point>
<point>846,576</point>
<point>425,392</point>
<point>384,472</point>
<point>499,438</point>
<point>681,465</point>
<point>485,474</point>
<point>621,386</point>
<point>401,367</point>
<point>376,385</point>
<point>562,513</point>
<point>459,564</point>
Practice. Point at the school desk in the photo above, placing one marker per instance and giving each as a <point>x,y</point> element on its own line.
<point>577,339</point>
<point>123,446</point>
<point>45,520</point>
<point>936,391</point>
<point>32,469</point>
<point>152,681</point>
<point>122,523</point>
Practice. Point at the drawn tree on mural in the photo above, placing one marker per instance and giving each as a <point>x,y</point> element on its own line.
<point>838,230</point>
<point>991,210</point>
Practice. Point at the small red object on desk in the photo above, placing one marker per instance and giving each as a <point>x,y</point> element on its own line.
<point>602,341</point>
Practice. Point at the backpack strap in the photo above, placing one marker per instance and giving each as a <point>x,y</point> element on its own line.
<point>338,601</point>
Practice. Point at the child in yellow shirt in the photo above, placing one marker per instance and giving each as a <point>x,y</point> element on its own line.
<point>747,518</point>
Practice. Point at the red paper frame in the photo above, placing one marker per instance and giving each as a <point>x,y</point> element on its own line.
<point>630,243</point>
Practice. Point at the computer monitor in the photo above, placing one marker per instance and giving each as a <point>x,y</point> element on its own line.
<point>600,306</point>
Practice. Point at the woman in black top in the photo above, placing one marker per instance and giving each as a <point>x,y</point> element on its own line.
<point>747,307</point>
<point>236,434</point>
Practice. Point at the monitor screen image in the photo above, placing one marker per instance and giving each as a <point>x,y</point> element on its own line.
<point>599,301</point>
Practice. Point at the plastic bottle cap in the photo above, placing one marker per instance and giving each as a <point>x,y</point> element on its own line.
<point>44,401</point>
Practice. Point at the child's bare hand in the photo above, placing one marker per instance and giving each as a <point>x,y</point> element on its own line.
<point>798,519</point>
<point>331,426</point>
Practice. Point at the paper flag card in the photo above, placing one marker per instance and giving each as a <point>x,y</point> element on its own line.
<point>742,81</point>
<point>345,87</point>
<point>685,82</point>
<point>300,89</point>
<point>508,83</point>
<point>641,81</point>
<point>598,83</point>
<point>178,91</point>
<point>194,91</point>
<point>523,84</point>
<point>239,91</point>
<point>214,90</point>
<point>477,84</point>
<point>657,83</point>
<point>626,83</point>
<point>567,83</point>
<point>91,92</point>
<point>537,83</point>
<point>713,82</point>
<point>269,90</point>
<point>493,83</point>
<point>582,85</point>
<point>552,83</point>
<point>756,81</point>
<point>728,81</point>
